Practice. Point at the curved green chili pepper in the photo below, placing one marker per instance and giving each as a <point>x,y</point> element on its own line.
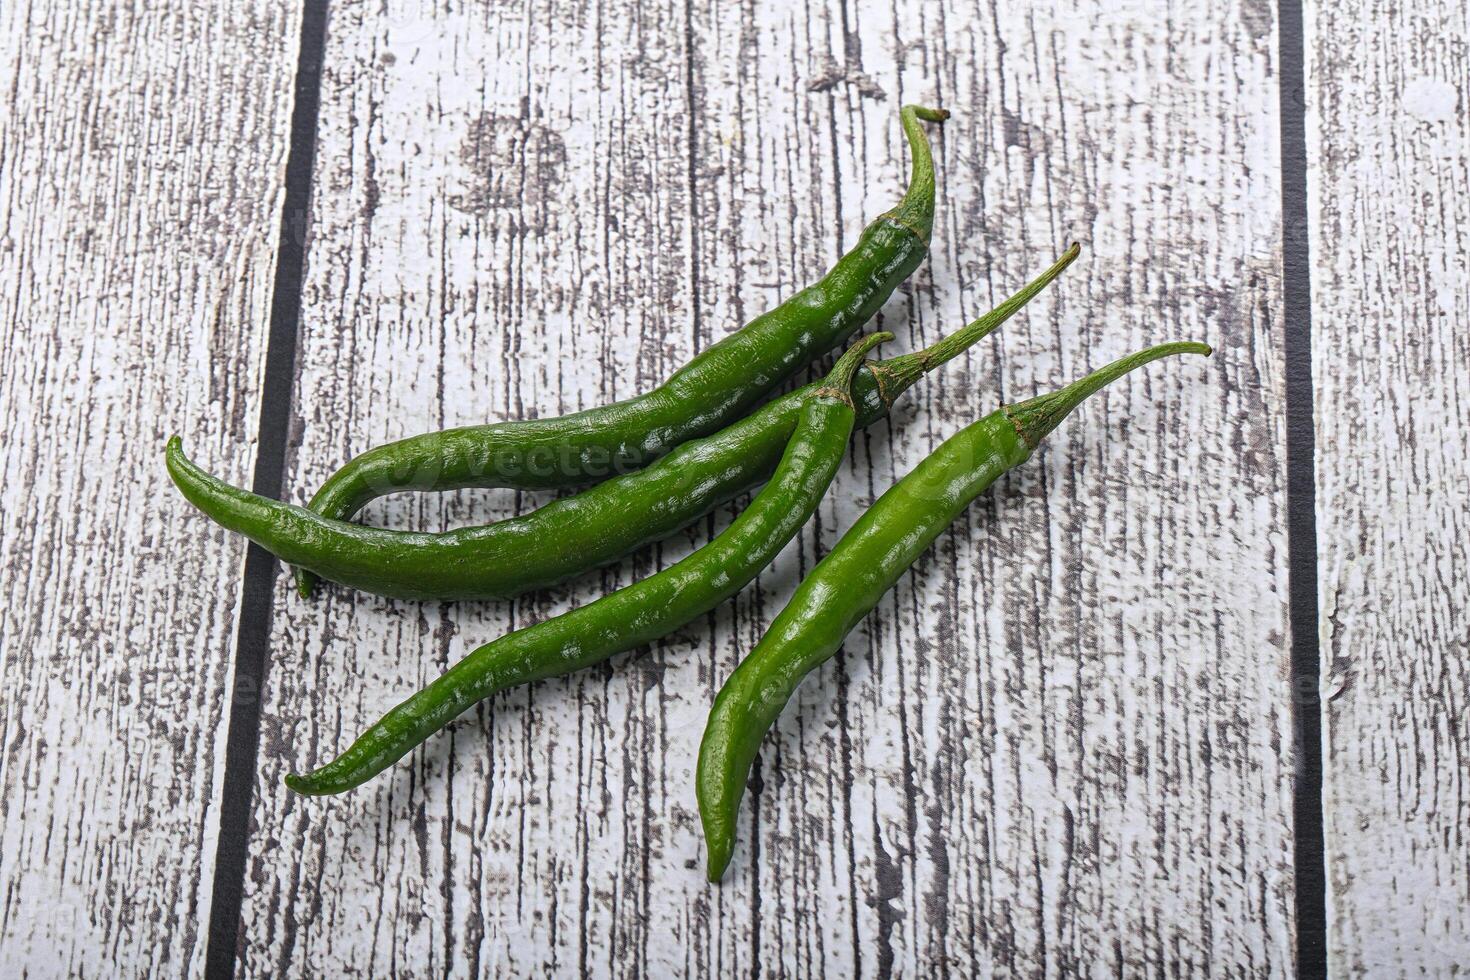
<point>569,536</point>
<point>848,583</point>
<point>711,391</point>
<point>632,616</point>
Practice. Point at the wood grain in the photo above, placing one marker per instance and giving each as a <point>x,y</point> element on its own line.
<point>140,185</point>
<point>1389,170</point>
<point>1062,744</point>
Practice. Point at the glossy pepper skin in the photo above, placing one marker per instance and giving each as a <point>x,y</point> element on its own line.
<point>847,584</point>
<point>575,534</point>
<point>632,616</point>
<point>711,391</point>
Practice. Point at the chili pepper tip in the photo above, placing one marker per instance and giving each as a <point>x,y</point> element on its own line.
<point>298,784</point>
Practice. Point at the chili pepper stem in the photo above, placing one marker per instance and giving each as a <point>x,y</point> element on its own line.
<point>916,210</point>
<point>1036,417</point>
<point>905,369</point>
<point>839,379</point>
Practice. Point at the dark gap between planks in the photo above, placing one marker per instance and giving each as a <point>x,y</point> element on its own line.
<point>252,639</point>
<point>1309,856</point>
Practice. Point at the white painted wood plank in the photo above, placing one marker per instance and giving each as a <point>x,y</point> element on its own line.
<point>1063,743</point>
<point>1389,192</point>
<point>141,155</point>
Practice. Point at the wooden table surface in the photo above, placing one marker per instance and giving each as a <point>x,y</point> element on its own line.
<point>1082,736</point>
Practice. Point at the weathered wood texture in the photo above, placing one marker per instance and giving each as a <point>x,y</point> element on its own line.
<point>140,182</point>
<point>1389,170</point>
<point>1062,743</point>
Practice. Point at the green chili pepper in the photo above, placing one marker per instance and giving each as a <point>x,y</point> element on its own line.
<point>566,537</point>
<point>711,391</point>
<point>848,583</point>
<point>632,616</point>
